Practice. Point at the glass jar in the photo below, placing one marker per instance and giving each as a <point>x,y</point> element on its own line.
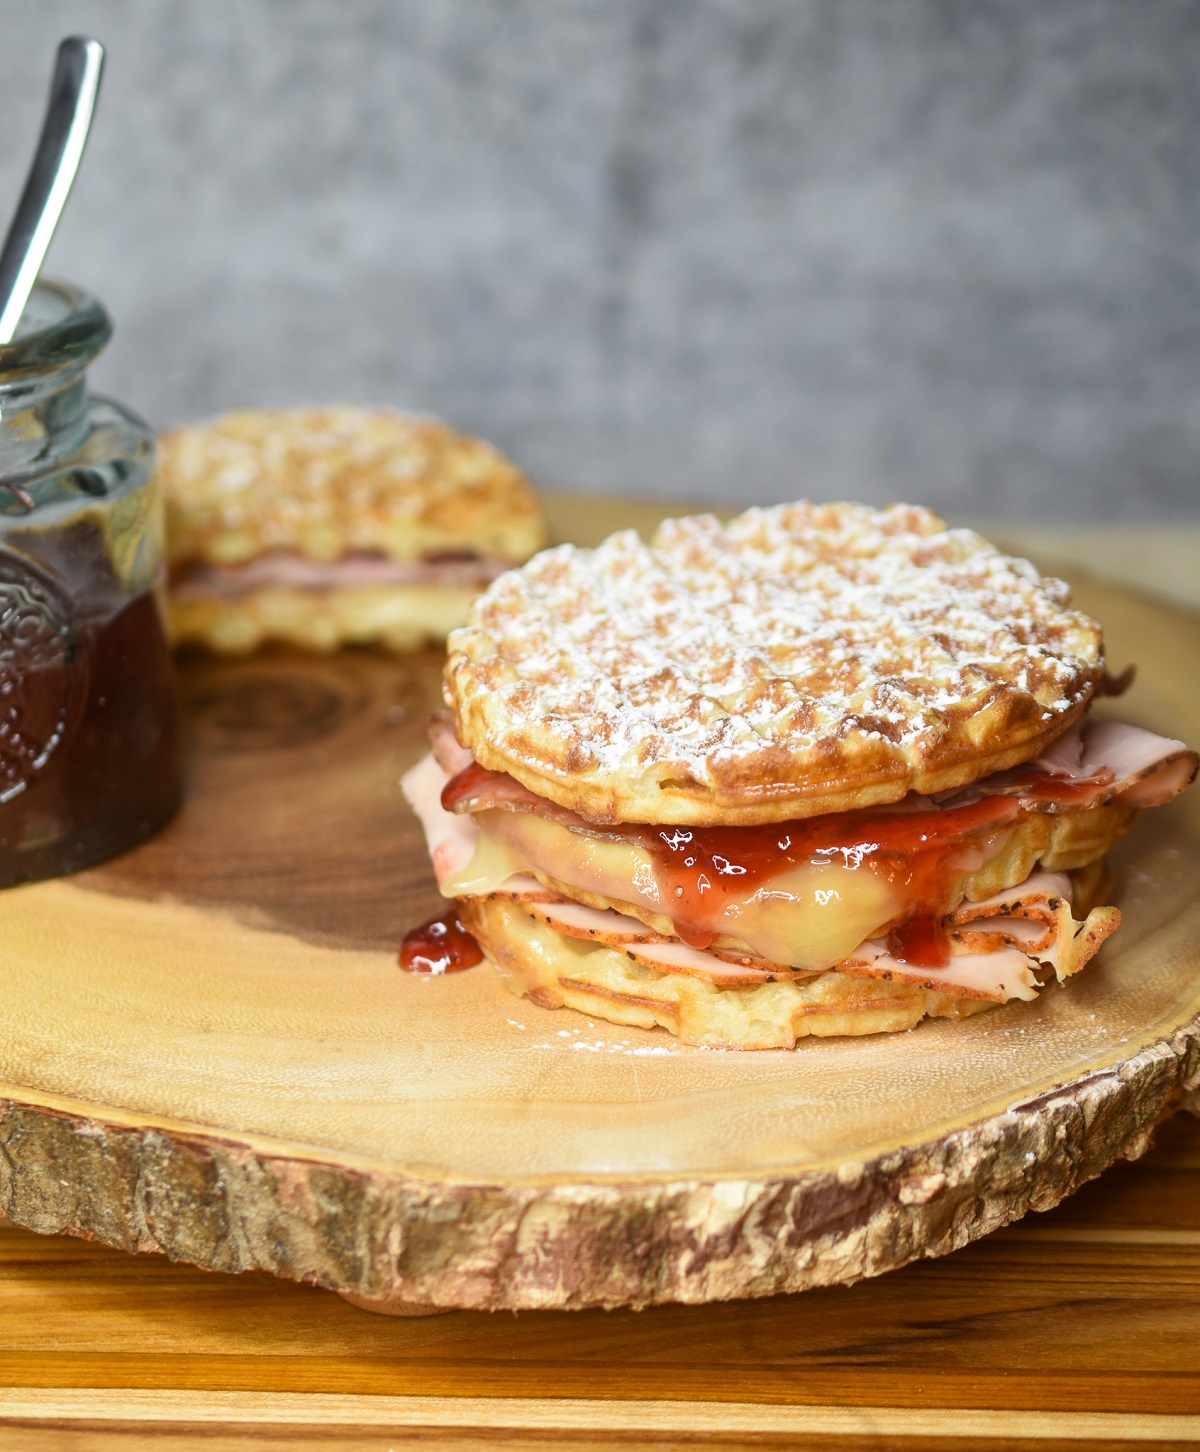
<point>89,759</point>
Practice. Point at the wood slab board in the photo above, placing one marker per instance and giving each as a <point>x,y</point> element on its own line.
<point>1077,1326</point>
<point>209,1050</point>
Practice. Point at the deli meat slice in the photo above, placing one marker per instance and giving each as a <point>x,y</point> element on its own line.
<point>521,887</point>
<point>1114,758</point>
<point>1001,975</point>
<point>357,569</point>
<point>475,788</point>
<point>1035,918</point>
<point>1148,770</point>
<point>667,955</point>
<point>999,945</point>
<point>1100,760</point>
<point>451,840</point>
<point>450,756</point>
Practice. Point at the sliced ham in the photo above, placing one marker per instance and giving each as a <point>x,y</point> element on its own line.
<point>604,925</point>
<point>523,887</point>
<point>996,965</point>
<point>1148,770</point>
<point>1099,760</point>
<point>1036,918</point>
<point>676,957</point>
<point>667,955</point>
<point>999,945</point>
<point>1000,975</point>
<point>474,788</point>
<point>451,840</point>
<point>450,756</point>
<point>291,570</point>
<point>1027,917</point>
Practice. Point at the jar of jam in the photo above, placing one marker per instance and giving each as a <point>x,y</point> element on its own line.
<point>89,759</point>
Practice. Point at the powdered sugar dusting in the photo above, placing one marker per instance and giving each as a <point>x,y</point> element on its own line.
<point>810,630</point>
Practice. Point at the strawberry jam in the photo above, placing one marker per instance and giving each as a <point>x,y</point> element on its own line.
<point>700,869</point>
<point>921,942</point>
<point>442,945</point>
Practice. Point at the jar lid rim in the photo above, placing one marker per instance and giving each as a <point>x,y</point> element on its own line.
<point>77,336</point>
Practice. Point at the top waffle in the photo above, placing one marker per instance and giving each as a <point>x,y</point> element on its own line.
<point>326,482</point>
<point>800,660</point>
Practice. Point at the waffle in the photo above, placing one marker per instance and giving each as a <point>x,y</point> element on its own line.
<point>800,660</point>
<point>398,617</point>
<point>334,495</point>
<point>554,971</point>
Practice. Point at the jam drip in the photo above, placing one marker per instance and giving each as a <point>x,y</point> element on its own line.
<point>442,945</point>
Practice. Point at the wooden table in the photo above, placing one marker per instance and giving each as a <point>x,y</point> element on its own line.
<point>1074,1327</point>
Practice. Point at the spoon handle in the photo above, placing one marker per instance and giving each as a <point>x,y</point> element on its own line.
<point>73,94</point>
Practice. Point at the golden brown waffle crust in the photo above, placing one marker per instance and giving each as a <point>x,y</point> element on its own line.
<point>397,617</point>
<point>326,482</point>
<point>802,659</point>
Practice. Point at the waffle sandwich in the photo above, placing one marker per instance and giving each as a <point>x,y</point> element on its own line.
<point>823,770</point>
<point>333,526</point>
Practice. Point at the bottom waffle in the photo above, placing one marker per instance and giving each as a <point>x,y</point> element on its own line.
<point>400,617</point>
<point>556,971</point>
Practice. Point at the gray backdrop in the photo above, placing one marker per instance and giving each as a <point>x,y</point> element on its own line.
<point>945,250</point>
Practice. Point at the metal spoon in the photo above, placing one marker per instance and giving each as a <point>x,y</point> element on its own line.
<point>73,92</point>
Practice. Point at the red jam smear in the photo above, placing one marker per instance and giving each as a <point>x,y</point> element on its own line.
<point>442,945</point>
<point>921,942</point>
